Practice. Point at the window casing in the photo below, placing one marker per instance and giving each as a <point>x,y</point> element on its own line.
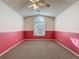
<point>39,26</point>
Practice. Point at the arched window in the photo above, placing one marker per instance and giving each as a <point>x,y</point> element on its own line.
<point>39,26</point>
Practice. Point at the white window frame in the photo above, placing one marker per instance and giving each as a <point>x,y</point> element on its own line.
<point>39,26</point>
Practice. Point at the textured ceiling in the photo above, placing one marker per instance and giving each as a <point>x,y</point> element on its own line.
<point>56,7</point>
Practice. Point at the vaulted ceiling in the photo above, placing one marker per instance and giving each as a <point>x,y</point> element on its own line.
<point>56,7</point>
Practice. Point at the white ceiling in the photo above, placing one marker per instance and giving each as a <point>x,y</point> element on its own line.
<point>56,7</point>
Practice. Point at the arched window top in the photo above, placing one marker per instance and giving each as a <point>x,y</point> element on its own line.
<point>39,19</point>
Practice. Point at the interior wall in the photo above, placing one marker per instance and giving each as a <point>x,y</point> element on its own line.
<point>67,27</point>
<point>11,27</point>
<point>28,28</point>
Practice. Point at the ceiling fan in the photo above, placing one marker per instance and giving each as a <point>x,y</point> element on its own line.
<point>37,4</point>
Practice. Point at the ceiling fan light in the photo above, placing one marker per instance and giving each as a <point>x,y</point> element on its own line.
<point>35,7</point>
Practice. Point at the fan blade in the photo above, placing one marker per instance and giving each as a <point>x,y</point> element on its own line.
<point>36,0</point>
<point>34,6</point>
<point>43,4</point>
<point>31,5</point>
<point>32,1</point>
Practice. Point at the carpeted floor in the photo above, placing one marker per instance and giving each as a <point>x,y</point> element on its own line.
<point>39,50</point>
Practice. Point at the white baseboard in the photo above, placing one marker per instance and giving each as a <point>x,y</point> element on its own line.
<point>11,48</point>
<point>68,49</point>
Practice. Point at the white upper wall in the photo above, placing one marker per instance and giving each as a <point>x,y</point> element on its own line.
<point>68,21</point>
<point>9,19</point>
<point>29,22</point>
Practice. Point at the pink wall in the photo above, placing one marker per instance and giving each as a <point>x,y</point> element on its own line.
<point>28,35</point>
<point>8,39</point>
<point>67,28</point>
<point>70,40</point>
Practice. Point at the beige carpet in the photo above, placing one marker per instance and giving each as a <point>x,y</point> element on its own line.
<point>39,50</point>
